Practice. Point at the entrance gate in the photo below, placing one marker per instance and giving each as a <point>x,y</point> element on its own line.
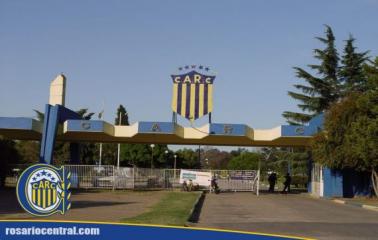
<point>111,177</point>
<point>63,124</point>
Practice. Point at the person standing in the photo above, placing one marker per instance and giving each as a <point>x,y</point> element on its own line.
<point>190,185</point>
<point>272,181</point>
<point>287,183</point>
<point>214,185</point>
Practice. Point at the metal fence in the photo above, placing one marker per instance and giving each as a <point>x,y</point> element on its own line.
<point>89,176</point>
<point>13,173</point>
<point>111,177</point>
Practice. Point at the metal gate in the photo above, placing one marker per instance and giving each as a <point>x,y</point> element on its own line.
<point>89,176</point>
<point>237,180</point>
<point>111,177</point>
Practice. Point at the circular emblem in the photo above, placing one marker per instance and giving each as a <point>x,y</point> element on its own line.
<point>299,130</point>
<point>41,190</point>
<point>86,125</point>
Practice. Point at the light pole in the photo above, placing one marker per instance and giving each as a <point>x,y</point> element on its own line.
<point>100,115</point>
<point>166,155</point>
<point>174,167</point>
<point>152,155</point>
<point>289,163</point>
<point>119,145</point>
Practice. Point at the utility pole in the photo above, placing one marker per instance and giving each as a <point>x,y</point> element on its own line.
<point>100,160</point>
<point>119,145</point>
<point>152,155</point>
<point>174,167</point>
<point>199,154</point>
<point>100,115</point>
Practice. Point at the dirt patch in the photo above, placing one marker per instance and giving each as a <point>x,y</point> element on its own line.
<point>104,206</point>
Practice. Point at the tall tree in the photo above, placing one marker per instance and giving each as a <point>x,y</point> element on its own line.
<point>216,159</point>
<point>188,158</point>
<point>349,139</point>
<point>321,89</point>
<point>351,72</point>
<point>371,72</point>
<point>123,115</point>
<point>245,161</point>
<point>8,155</point>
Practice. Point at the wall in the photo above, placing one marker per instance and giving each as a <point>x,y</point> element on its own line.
<point>333,183</point>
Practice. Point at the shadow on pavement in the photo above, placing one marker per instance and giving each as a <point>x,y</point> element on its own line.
<point>9,203</point>
<point>88,204</point>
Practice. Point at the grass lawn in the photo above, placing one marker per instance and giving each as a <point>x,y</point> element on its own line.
<point>173,209</point>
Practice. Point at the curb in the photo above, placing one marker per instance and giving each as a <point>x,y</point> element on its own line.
<point>346,202</point>
<point>339,201</point>
<point>370,207</point>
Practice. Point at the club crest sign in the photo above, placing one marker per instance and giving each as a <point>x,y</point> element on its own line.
<point>193,92</point>
<point>42,190</point>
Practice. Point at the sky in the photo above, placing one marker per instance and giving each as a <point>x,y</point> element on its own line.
<point>123,52</point>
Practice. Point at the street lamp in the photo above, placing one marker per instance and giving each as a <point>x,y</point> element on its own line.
<point>166,156</point>
<point>119,145</point>
<point>174,167</point>
<point>207,162</point>
<point>152,155</point>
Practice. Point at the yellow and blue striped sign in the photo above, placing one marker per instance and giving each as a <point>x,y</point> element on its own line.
<point>192,95</point>
<point>44,193</point>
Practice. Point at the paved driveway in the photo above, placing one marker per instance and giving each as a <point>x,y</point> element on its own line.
<point>296,214</point>
<point>104,206</point>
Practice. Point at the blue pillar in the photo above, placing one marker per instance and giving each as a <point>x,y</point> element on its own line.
<point>54,115</point>
<point>50,127</point>
<point>333,183</point>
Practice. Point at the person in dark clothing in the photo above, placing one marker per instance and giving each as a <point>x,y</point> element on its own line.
<point>184,186</point>
<point>272,181</point>
<point>287,183</point>
<point>214,185</point>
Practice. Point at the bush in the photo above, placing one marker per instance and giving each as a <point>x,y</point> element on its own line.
<point>299,181</point>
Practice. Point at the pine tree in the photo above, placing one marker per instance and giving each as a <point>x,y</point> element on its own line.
<point>121,112</point>
<point>371,72</point>
<point>321,89</point>
<point>351,71</point>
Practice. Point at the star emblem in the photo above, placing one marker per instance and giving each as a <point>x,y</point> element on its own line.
<point>193,66</point>
<point>38,175</point>
<point>207,68</point>
<point>180,68</point>
<point>34,179</point>
<point>186,67</point>
<point>44,173</point>
<point>200,67</point>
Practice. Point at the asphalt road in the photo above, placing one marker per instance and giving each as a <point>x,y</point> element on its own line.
<point>103,206</point>
<point>293,214</point>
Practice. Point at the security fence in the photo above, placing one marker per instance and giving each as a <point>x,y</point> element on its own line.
<point>111,177</point>
<point>13,173</point>
<point>91,176</point>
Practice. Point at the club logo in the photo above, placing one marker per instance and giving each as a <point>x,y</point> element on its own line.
<point>299,130</point>
<point>42,190</point>
<point>193,92</point>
